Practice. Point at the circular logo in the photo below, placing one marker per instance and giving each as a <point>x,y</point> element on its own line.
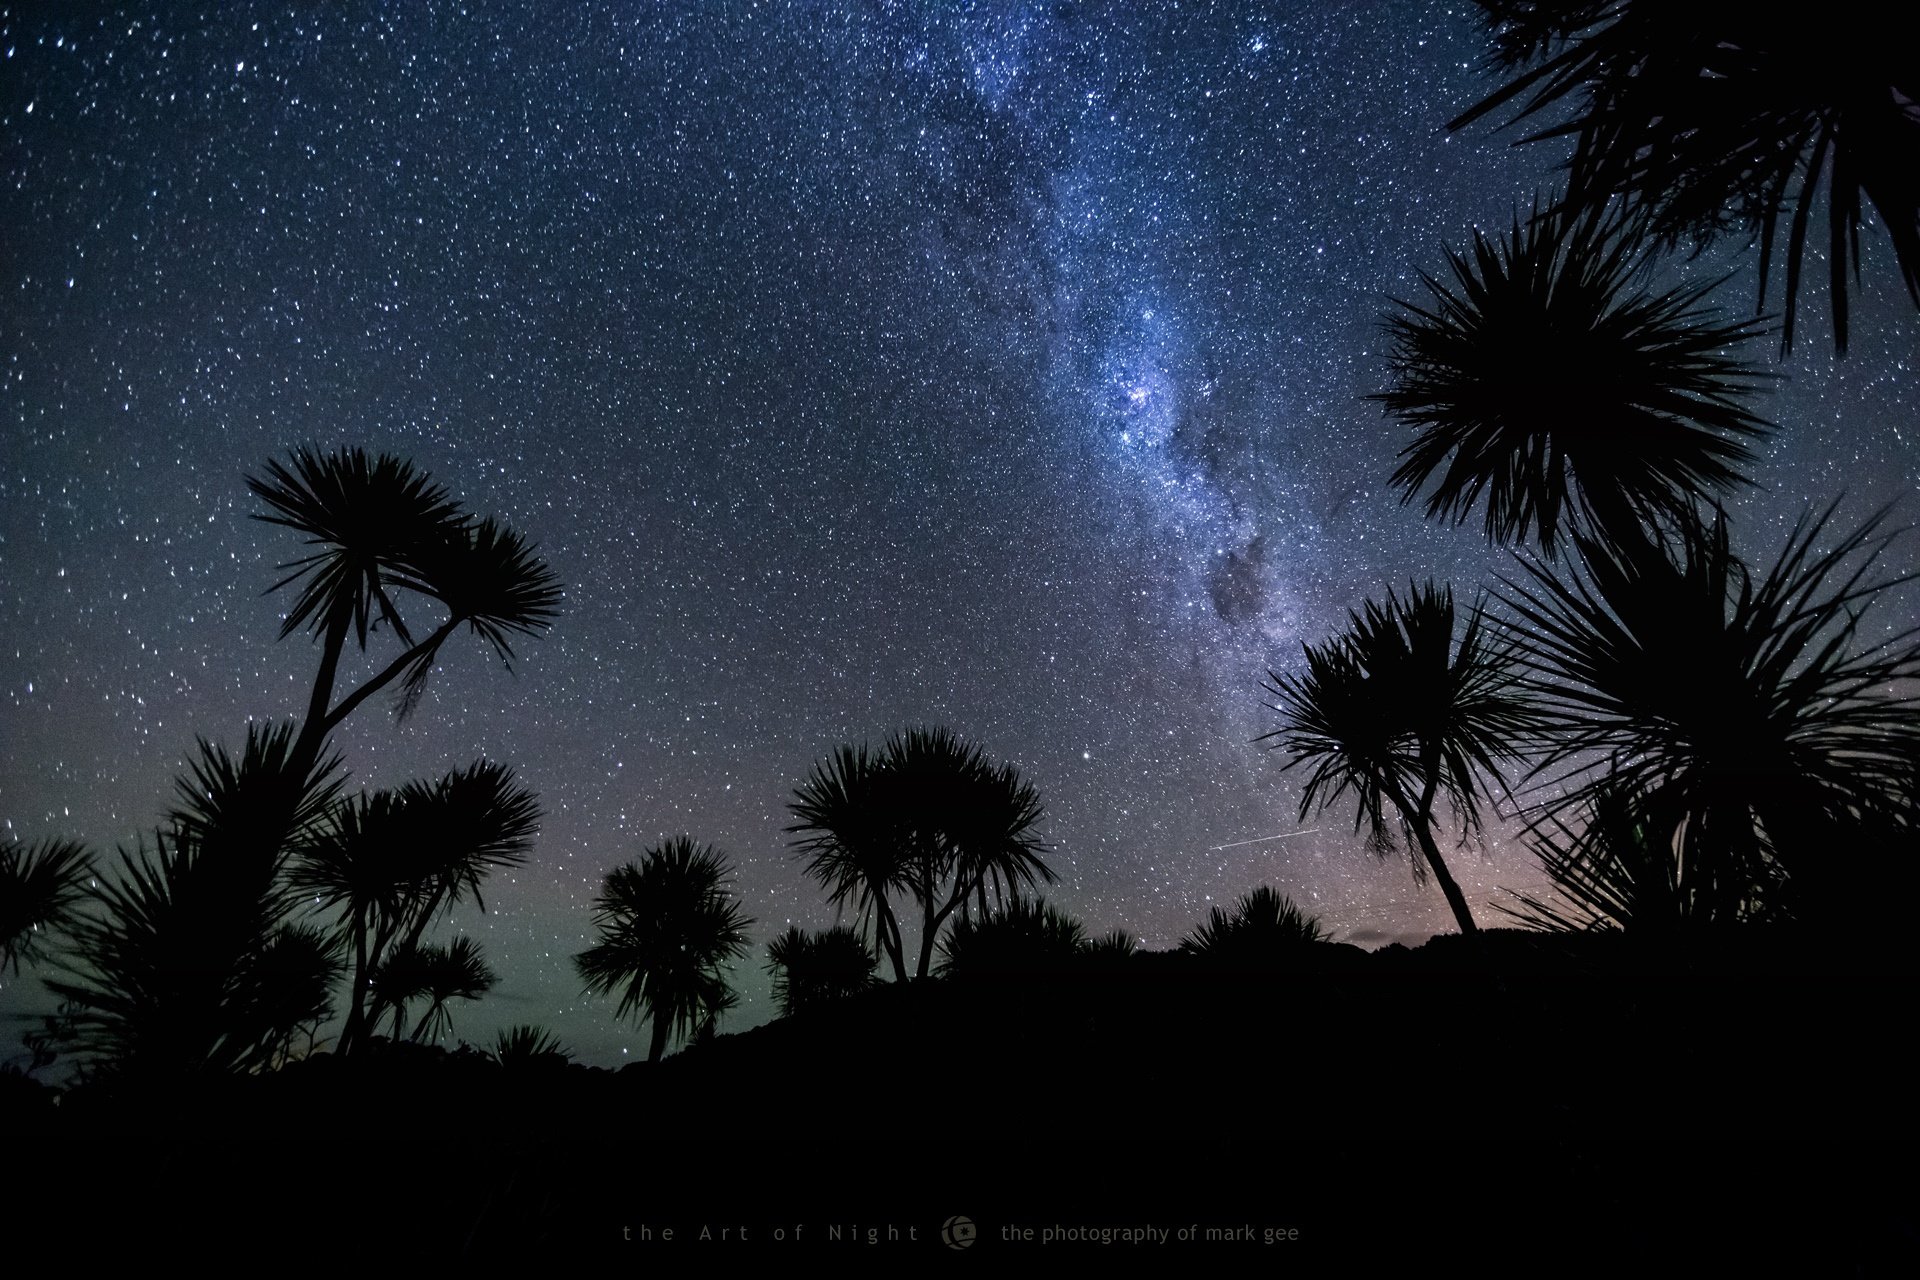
<point>958,1232</point>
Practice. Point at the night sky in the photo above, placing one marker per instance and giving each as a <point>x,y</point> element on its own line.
<point>855,365</point>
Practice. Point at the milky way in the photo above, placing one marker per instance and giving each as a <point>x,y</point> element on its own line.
<point>855,365</point>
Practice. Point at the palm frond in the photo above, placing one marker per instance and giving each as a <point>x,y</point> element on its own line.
<point>372,517</point>
<point>42,885</point>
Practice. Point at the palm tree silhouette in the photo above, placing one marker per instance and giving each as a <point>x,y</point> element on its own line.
<point>1545,384</point>
<point>432,973</point>
<point>384,528</point>
<point>929,816</point>
<point>843,819</point>
<point>1265,930</point>
<point>188,962</point>
<point>1749,714</point>
<point>667,925</point>
<point>1398,713</point>
<point>812,969</point>
<point>41,886</point>
<point>1727,117</point>
<point>392,861</point>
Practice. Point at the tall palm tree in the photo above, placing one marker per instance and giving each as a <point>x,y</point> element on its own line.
<point>392,861</point>
<point>188,961</point>
<point>382,528</point>
<point>667,925</point>
<point>41,887</point>
<point>1753,711</point>
<point>1546,385</point>
<point>1713,117</point>
<point>811,969</point>
<point>1399,712</point>
<point>1264,930</point>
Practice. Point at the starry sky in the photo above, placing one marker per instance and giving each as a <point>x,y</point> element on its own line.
<point>855,365</point>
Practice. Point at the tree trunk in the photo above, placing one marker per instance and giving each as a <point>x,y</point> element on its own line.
<point>357,1001</point>
<point>1455,899</point>
<point>661,1026</point>
<point>1420,820</point>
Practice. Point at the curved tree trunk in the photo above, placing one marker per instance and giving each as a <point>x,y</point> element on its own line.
<point>1448,886</point>
<point>658,1048</point>
<point>1419,820</point>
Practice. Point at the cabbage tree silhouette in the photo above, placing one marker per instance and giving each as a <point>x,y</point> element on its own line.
<point>1709,118</point>
<point>1547,386</point>
<point>811,969</point>
<point>843,817</point>
<point>391,861</point>
<point>1023,936</point>
<point>433,973</point>
<point>188,962</point>
<point>1265,930</point>
<point>1397,713</point>
<point>1751,711</point>
<point>384,530</point>
<point>41,886</point>
<point>667,925</point>
<point>930,817</point>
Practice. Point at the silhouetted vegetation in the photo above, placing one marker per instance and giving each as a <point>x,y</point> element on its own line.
<point>668,925</point>
<point>1728,753</point>
<point>1706,119</point>
<point>1024,936</point>
<point>1401,710</point>
<point>929,819</point>
<point>41,886</point>
<point>192,958</point>
<point>812,969</point>
<point>1548,387</point>
<point>1264,931</point>
<point>1750,727</point>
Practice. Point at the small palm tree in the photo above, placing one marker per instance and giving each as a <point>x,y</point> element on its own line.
<point>434,974</point>
<point>1748,712</point>
<point>1264,930</point>
<point>382,529</point>
<point>1024,936</point>
<point>667,925</point>
<point>1398,712</point>
<point>812,969</point>
<point>1549,389</point>
<point>41,888</point>
<point>1727,117</point>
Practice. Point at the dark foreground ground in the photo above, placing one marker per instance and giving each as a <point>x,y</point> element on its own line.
<point>1538,1106</point>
